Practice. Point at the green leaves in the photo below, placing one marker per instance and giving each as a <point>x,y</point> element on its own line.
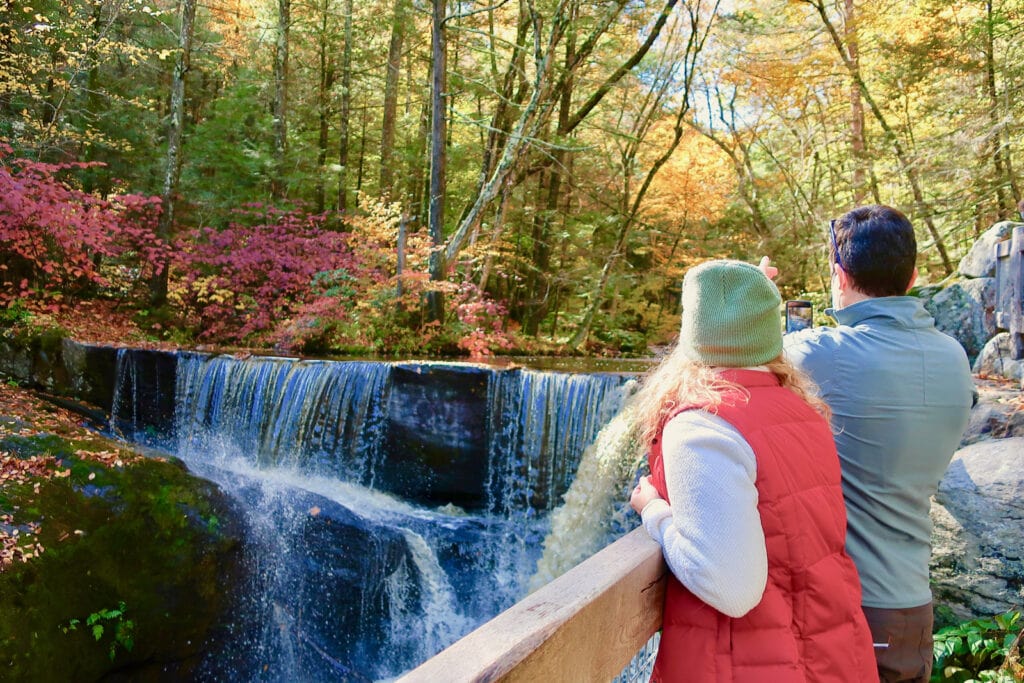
<point>123,628</point>
<point>983,650</point>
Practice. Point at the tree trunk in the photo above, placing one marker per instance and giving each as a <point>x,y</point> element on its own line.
<point>346,108</point>
<point>438,157</point>
<point>277,182</point>
<point>7,61</point>
<point>1005,183</point>
<point>172,167</point>
<point>537,305</point>
<point>387,135</point>
<point>323,109</point>
<point>362,154</point>
<point>857,144</point>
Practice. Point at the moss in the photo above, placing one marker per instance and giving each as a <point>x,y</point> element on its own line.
<point>139,534</point>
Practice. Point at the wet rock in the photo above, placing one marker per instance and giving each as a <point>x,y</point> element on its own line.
<point>148,535</point>
<point>324,586</point>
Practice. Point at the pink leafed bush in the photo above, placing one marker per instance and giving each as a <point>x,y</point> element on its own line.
<point>58,241</point>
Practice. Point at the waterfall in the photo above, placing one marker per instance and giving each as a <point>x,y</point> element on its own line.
<point>126,393</point>
<point>316,416</point>
<point>349,578</point>
<point>540,424</point>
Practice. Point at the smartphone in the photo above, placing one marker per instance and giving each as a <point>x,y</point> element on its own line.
<point>799,315</point>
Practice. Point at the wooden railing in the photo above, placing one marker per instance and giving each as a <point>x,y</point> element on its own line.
<point>586,625</point>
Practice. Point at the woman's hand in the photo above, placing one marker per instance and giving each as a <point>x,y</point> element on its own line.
<point>643,493</point>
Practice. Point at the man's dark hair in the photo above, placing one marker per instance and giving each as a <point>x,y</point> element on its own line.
<point>877,249</point>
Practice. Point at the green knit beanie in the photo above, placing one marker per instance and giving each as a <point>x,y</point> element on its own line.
<point>730,315</point>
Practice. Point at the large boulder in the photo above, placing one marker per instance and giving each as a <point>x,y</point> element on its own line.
<point>981,259</point>
<point>997,412</point>
<point>977,546</point>
<point>130,579</point>
<point>966,311</point>
<point>996,359</point>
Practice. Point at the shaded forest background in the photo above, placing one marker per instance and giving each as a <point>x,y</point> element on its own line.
<point>513,176</point>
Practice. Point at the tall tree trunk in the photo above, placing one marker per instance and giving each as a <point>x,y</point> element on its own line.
<point>277,182</point>
<point>346,108</point>
<point>172,168</point>
<point>857,144</point>
<point>537,280</point>
<point>418,183</point>
<point>438,156</point>
<point>1005,183</point>
<point>7,62</point>
<point>323,108</point>
<point>362,153</point>
<point>387,134</point>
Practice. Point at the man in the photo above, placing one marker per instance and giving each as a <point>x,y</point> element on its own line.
<point>900,393</point>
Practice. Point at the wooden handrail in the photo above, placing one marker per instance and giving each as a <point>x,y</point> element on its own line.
<point>585,625</point>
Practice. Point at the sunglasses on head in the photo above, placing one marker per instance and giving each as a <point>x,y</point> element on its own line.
<point>835,245</point>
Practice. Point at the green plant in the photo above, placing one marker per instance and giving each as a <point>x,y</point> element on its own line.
<point>15,314</point>
<point>983,650</point>
<point>123,628</point>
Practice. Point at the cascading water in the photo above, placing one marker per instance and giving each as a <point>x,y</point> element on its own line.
<point>347,581</point>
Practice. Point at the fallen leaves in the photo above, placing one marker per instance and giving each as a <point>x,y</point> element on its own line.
<point>17,543</point>
<point>27,415</point>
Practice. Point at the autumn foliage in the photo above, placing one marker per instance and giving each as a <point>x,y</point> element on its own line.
<point>58,242</point>
<point>242,280</point>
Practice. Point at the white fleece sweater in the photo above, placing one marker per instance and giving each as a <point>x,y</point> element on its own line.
<point>711,535</point>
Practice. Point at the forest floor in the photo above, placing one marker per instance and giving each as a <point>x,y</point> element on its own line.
<point>100,321</point>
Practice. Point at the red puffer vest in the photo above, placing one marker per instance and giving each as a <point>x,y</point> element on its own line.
<point>809,625</point>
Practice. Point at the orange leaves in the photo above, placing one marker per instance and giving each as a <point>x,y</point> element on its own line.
<point>691,190</point>
<point>20,470</point>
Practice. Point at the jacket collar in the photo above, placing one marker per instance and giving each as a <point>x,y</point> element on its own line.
<point>907,311</point>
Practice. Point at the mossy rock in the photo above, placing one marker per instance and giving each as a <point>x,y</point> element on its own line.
<point>147,535</point>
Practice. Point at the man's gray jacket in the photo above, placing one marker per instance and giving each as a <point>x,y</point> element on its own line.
<point>900,393</point>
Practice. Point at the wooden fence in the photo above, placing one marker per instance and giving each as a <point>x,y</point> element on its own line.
<point>585,626</point>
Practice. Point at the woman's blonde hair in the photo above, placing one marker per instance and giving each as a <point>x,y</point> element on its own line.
<point>679,381</point>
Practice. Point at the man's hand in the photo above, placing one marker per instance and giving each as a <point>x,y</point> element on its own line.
<point>767,268</point>
<point>643,493</point>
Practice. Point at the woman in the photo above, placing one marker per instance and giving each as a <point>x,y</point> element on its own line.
<point>744,497</point>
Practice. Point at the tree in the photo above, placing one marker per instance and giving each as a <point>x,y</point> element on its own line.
<point>175,127</point>
<point>906,165</point>
<point>280,101</point>
<point>700,20</point>
<point>387,137</point>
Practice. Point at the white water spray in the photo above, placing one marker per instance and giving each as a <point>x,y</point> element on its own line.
<point>581,526</point>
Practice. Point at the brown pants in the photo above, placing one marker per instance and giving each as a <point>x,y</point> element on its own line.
<point>908,634</point>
